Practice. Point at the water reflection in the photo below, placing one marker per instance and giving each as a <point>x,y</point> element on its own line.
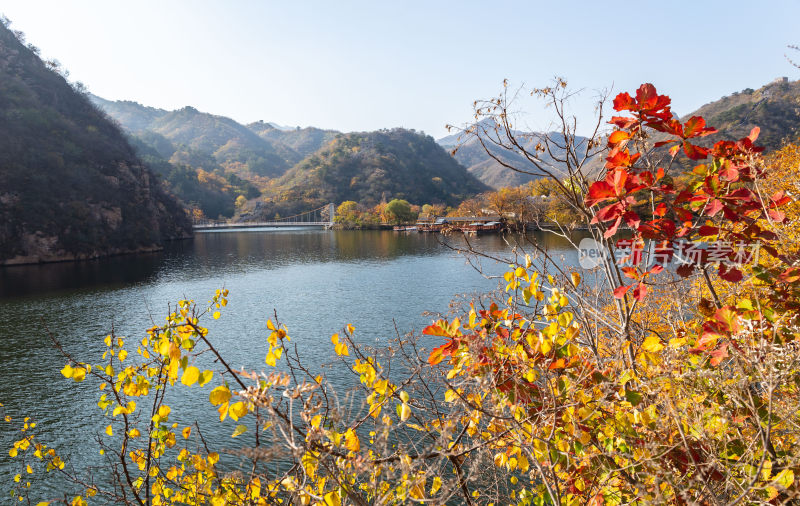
<point>316,280</point>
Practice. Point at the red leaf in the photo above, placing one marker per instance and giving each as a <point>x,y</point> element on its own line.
<point>778,216</point>
<point>617,137</point>
<point>435,330</point>
<point>656,269</point>
<point>620,291</point>
<point>713,207</point>
<point>685,270</point>
<point>632,219</point>
<point>670,126</point>
<point>623,102</point>
<point>727,319</point>
<point>436,355</point>
<point>610,212</point>
<point>707,230</point>
<point>719,354</point>
<point>754,134</point>
<point>622,121</point>
<point>598,192</point>
<point>647,96</point>
<point>630,272</point>
<point>558,364</point>
<point>695,152</point>
<point>613,230</point>
<point>731,274</point>
<point>661,209</point>
<point>640,292</point>
<point>731,175</point>
<point>779,199</point>
<point>696,127</point>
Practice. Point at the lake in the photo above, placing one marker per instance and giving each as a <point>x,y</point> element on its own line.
<point>318,281</point>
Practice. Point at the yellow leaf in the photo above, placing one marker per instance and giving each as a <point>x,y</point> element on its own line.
<point>237,410</point>
<point>67,371</point>
<point>205,377</point>
<point>122,354</point>
<point>785,478</point>
<point>219,395</point>
<point>437,484</point>
<point>677,342</point>
<point>109,430</point>
<point>190,376</point>
<point>186,432</point>
<point>351,441</point>
<point>523,464</point>
<point>576,279</point>
<point>29,469</point>
<point>78,374</point>
<point>216,315</point>
<point>240,429</point>
<point>270,325</point>
<point>213,458</point>
<point>403,411</point>
<point>332,499</point>
<point>652,344</point>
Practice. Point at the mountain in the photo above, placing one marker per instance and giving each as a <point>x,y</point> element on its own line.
<point>217,140</point>
<point>70,184</point>
<point>372,166</point>
<point>214,193</point>
<point>469,152</point>
<point>131,116</point>
<point>774,108</point>
<point>303,141</point>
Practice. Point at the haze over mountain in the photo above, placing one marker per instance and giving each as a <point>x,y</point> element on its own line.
<point>469,151</point>
<point>196,134</point>
<point>303,141</point>
<point>71,185</point>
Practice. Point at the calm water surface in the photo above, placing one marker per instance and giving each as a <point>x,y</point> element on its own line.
<point>316,280</point>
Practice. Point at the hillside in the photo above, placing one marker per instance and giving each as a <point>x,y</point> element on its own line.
<point>471,154</point>
<point>775,108</point>
<point>304,141</point>
<point>218,140</point>
<point>214,193</point>
<point>374,166</point>
<point>72,186</point>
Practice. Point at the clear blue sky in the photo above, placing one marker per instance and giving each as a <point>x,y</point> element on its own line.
<point>365,65</point>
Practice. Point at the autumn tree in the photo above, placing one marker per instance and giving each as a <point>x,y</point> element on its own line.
<point>665,372</point>
<point>399,211</point>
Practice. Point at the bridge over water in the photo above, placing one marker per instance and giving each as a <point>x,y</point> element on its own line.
<point>319,217</point>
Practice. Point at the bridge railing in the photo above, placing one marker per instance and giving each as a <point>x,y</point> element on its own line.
<point>308,218</point>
